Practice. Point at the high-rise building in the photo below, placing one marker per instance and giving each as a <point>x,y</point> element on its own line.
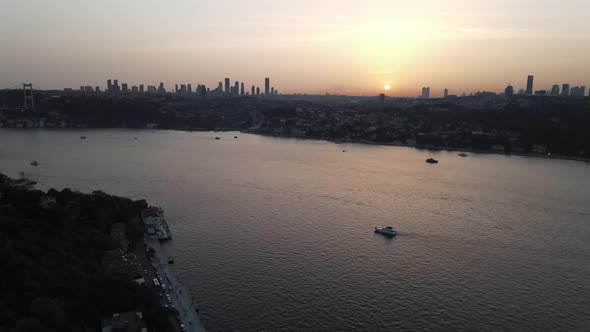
<point>258,91</point>
<point>134,89</point>
<point>124,88</point>
<point>266,86</point>
<point>227,87</point>
<point>161,88</point>
<point>272,91</point>
<point>509,91</point>
<point>141,88</point>
<point>220,87</point>
<point>109,85</point>
<point>555,90</point>
<point>253,92</point>
<point>189,88</point>
<point>446,93</point>
<point>582,91</point>
<point>242,91</point>
<point>529,85</point>
<point>565,90</point>
<point>236,88</point>
<point>151,89</point>
<point>97,89</point>
<point>426,92</point>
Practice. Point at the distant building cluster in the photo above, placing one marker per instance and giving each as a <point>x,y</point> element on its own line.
<point>566,91</point>
<point>556,91</point>
<point>224,88</point>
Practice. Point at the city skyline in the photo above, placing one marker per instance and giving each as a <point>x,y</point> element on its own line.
<point>309,47</point>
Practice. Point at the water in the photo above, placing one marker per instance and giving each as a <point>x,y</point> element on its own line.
<point>277,234</point>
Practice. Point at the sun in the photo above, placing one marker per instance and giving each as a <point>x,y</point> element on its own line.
<point>387,87</point>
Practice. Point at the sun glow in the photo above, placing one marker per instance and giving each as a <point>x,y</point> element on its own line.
<point>387,87</point>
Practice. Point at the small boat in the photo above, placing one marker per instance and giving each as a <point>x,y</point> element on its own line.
<point>217,138</point>
<point>82,137</point>
<point>134,137</point>
<point>21,174</point>
<point>463,154</point>
<point>432,161</point>
<point>343,150</point>
<point>236,137</point>
<point>170,260</point>
<point>388,231</point>
<point>34,163</point>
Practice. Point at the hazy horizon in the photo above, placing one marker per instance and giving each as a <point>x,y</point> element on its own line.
<point>304,47</point>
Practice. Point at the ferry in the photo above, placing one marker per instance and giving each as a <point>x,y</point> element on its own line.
<point>388,231</point>
<point>432,161</point>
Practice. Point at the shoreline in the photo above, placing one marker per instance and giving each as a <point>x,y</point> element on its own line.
<point>339,141</point>
<point>182,297</point>
<point>417,147</point>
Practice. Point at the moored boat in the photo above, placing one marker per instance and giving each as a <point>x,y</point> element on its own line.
<point>432,161</point>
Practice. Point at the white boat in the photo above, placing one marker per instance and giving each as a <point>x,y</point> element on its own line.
<point>389,231</point>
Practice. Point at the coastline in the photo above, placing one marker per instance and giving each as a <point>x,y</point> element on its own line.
<point>181,296</point>
<point>418,147</point>
<point>340,141</point>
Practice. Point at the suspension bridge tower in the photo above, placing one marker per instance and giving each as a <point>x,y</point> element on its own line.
<point>29,102</point>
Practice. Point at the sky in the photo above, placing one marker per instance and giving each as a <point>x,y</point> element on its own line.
<point>319,46</point>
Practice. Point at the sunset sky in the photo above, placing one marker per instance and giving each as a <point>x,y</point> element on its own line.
<point>327,46</point>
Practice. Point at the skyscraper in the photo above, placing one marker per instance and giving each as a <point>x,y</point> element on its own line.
<point>565,90</point>
<point>227,87</point>
<point>189,88</point>
<point>242,91</point>
<point>236,88</point>
<point>266,86</point>
<point>141,88</point>
<point>509,91</point>
<point>161,88</point>
<point>446,93</point>
<point>220,87</point>
<point>124,87</point>
<point>258,91</point>
<point>272,91</point>
<point>555,90</point>
<point>253,90</point>
<point>529,85</point>
<point>109,85</point>
<point>426,92</point>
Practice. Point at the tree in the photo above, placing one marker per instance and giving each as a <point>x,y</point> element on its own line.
<point>49,312</point>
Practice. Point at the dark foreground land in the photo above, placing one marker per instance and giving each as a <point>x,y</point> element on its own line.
<point>63,265</point>
<point>540,125</point>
